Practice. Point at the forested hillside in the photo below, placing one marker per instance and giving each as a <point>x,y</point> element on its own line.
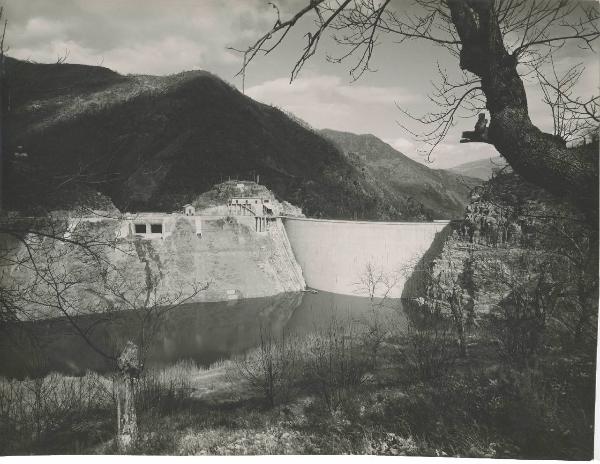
<point>155,143</point>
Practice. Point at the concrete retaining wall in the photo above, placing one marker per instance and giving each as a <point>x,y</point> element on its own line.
<point>334,255</point>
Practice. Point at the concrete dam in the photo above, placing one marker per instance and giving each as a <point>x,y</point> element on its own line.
<point>334,255</point>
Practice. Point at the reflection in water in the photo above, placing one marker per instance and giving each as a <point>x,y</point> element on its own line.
<point>204,332</point>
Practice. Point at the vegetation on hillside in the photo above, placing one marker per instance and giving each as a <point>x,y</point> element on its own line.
<point>480,169</point>
<point>156,143</point>
<point>220,194</point>
<point>443,193</point>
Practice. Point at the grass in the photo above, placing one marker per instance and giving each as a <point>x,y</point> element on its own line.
<point>54,414</point>
<point>485,408</point>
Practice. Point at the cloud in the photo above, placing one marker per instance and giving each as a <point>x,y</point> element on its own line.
<point>325,101</point>
<point>153,36</point>
<point>446,155</point>
<point>401,144</point>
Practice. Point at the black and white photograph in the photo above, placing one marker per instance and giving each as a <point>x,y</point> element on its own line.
<point>299,227</point>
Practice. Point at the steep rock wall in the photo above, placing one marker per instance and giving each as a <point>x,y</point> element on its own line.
<point>232,257</point>
<point>229,255</point>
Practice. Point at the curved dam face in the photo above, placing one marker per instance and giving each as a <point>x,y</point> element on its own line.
<point>354,257</point>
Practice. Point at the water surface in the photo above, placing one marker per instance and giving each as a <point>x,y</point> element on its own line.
<point>203,332</point>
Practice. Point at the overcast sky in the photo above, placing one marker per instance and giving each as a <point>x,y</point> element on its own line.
<point>169,36</point>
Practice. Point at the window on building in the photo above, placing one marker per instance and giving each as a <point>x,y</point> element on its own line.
<point>156,228</point>
<point>140,228</point>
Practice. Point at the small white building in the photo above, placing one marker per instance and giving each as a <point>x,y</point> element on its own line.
<point>189,210</point>
<point>158,225</point>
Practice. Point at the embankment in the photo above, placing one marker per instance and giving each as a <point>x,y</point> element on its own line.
<point>229,255</point>
<point>237,261</point>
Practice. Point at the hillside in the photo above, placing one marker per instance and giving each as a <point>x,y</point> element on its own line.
<point>481,169</point>
<point>393,173</point>
<point>216,200</point>
<point>154,143</point>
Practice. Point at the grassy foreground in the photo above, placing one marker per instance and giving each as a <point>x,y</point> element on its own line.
<point>333,393</point>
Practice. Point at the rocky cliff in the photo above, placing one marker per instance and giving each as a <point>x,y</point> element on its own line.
<point>229,258</point>
<point>522,263</point>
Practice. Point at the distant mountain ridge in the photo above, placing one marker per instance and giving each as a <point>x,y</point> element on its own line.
<point>443,192</point>
<point>481,169</point>
<point>151,143</point>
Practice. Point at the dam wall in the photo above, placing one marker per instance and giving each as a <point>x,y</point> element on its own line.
<point>335,255</point>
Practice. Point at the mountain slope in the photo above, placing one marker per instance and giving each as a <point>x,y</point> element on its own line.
<point>155,143</point>
<point>481,169</point>
<point>443,192</point>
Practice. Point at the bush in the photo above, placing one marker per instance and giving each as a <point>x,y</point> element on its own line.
<point>390,444</point>
<point>334,364</point>
<point>164,389</point>
<point>271,369</point>
<point>54,413</point>
<point>429,351</point>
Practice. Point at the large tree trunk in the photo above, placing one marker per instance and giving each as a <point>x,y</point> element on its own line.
<point>538,157</point>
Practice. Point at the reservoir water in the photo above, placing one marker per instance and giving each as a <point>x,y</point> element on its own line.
<point>202,332</point>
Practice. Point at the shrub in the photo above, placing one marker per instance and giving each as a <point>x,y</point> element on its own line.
<point>41,410</point>
<point>165,388</point>
<point>271,369</point>
<point>429,351</point>
<point>334,364</point>
<point>390,444</point>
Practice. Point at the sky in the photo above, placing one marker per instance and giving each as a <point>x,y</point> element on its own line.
<point>169,36</point>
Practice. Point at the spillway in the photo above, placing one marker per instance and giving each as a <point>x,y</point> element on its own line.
<point>334,255</point>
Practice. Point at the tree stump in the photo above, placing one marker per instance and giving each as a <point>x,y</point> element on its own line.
<point>130,368</point>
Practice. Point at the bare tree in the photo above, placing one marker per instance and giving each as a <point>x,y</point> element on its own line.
<point>377,284</point>
<point>574,119</point>
<point>271,368</point>
<point>497,42</point>
<point>53,267</point>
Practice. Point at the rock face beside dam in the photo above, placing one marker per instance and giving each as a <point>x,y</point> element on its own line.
<point>228,253</point>
<point>237,261</point>
<point>334,255</point>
